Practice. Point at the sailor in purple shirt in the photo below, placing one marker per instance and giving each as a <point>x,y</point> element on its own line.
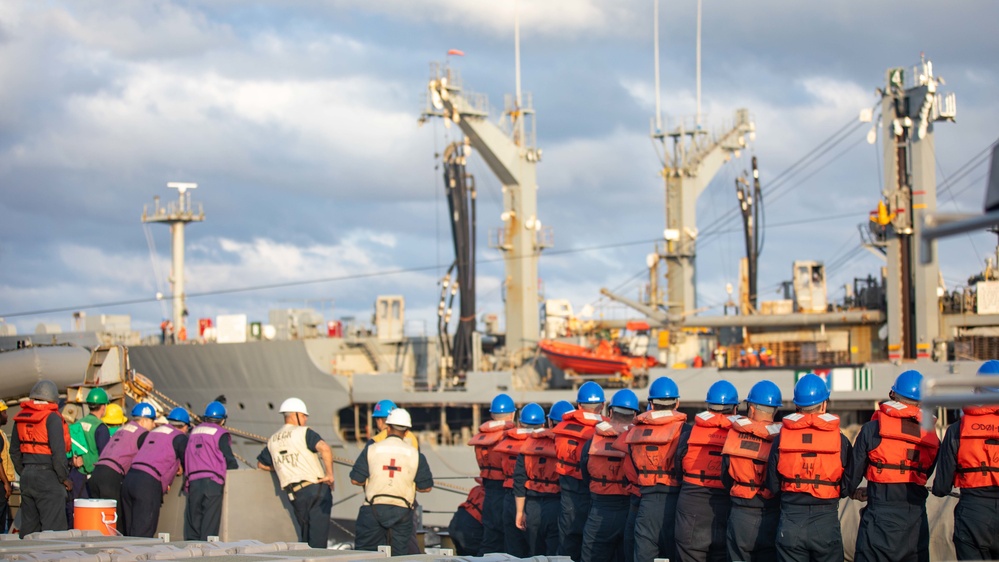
<point>116,458</point>
<point>155,466</point>
<point>208,456</point>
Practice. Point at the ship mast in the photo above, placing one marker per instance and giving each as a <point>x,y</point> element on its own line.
<point>509,150</point>
<point>909,107</point>
<point>177,215</point>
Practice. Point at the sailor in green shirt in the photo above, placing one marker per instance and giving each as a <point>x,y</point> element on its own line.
<point>88,437</point>
<point>114,418</point>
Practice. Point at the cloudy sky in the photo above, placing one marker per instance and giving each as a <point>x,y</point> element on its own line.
<point>298,120</point>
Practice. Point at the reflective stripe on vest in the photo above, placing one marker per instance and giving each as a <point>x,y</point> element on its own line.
<point>906,451</point>
<point>652,444</point>
<point>575,429</point>
<point>978,448</point>
<point>703,462</point>
<point>91,455</point>
<point>121,450</point>
<point>392,466</point>
<point>489,460</point>
<point>748,447</point>
<point>157,456</point>
<point>540,463</point>
<point>810,460</point>
<point>292,460</point>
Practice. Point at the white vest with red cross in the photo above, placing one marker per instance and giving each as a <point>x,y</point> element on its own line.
<point>392,466</point>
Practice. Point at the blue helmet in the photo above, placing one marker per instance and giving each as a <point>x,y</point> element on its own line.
<point>590,393</point>
<point>502,404</point>
<point>144,410</point>
<point>559,409</point>
<point>215,410</point>
<point>532,414</point>
<point>722,393</point>
<point>989,368</point>
<point>810,390</point>
<point>907,385</point>
<point>765,393</point>
<point>179,415</point>
<point>625,398</point>
<point>383,408</point>
<point>663,388</point>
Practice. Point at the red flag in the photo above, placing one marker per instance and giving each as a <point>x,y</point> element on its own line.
<point>456,52</point>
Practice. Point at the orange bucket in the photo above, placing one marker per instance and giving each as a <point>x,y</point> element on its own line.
<point>96,515</point>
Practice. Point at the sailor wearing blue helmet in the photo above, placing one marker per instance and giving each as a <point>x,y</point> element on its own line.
<point>969,459</point>
<point>703,505</point>
<point>752,522</point>
<point>652,445</point>
<point>897,456</point>
<point>380,413</point>
<point>502,409</point>
<point>208,457</point>
<point>603,465</point>
<point>809,467</point>
<point>575,429</point>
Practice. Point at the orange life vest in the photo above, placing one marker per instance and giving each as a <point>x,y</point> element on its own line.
<point>489,459</point>
<point>575,429</point>
<point>810,461</point>
<point>606,463</point>
<point>703,462</point>
<point>540,462</point>
<point>978,450</point>
<point>32,431</point>
<point>748,447</point>
<point>473,503</point>
<point>906,452</point>
<point>652,444</point>
<point>510,448</point>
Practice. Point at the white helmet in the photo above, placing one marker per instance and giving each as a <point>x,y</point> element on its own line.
<point>399,417</point>
<point>292,406</point>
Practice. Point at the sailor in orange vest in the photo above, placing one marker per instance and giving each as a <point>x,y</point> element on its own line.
<point>969,459</point>
<point>808,466</point>
<point>490,463</point>
<point>575,429</point>
<point>752,522</point>
<point>532,417</point>
<point>38,447</point>
<point>465,528</point>
<point>652,444</point>
<point>897,457</point>
<point>703,505</point>
<point>604,466</point>
<point>535,485</point>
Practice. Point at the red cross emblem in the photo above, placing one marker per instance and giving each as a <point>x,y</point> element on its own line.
<point>392,468</point>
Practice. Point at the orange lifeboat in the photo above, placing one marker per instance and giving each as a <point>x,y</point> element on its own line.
<point>603,359</point>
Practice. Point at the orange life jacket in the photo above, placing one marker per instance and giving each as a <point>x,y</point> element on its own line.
<point>473,503</point>
<point>748,447</point>
<point>652,444</point>
<point>978,450</point>
<point>810,461</point>
<point>906,452</point>
<point>703,462</point>
<point>510,448</point>
<point>606,463</point>
<point>540,462</point>
<point>575,429</point>
<point>489,459</point>
<point>32,431</point>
